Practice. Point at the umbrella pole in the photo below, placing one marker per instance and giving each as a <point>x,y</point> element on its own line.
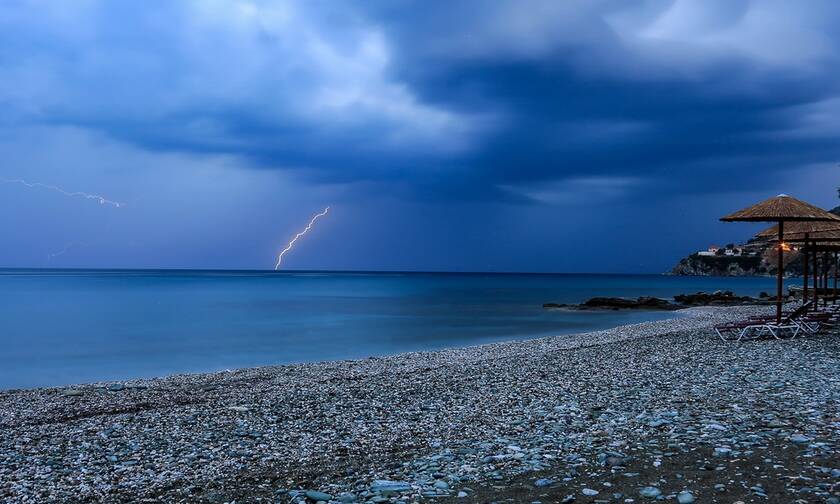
<point>825,277</point>
<point>805,271</point>
<point>834,301</point>
<point>817,265</point>
<point>816,289</point>
<point>779,277</point>
<point>819,274</point>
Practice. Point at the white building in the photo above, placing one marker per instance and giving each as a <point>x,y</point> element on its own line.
<point>711,251</point>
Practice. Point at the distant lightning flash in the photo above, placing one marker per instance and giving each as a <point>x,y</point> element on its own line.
<point>292,243</point>
<point>64,250</point>
<point>34,185</point>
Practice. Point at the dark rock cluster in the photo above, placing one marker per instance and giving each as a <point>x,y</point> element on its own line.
<point>617,303</point>
<point>717,298</point>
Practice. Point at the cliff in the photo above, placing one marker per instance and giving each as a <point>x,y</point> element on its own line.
<point>697,265</point>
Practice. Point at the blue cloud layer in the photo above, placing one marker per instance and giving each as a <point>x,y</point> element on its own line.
<point>488,93</point>
<point>573,103</point>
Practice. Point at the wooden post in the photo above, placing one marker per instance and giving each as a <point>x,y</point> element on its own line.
<point>819,275</point>
<point>825,277</point>
<point>817,265</point>
<point>816,289</point>
<point>835,279</point>
<point>805,270</point>
<point>780,275</point>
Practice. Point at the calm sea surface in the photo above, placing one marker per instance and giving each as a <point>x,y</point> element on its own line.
<point>72,326</point>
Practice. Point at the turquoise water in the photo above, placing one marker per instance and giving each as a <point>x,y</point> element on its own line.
<point>71,326</point>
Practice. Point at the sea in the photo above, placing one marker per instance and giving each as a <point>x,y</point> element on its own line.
<point>60,327</point>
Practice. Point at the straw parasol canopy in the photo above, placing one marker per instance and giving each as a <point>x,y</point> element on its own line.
<point>830,235</point>
<point>799,228</point>
<point>781,209</point>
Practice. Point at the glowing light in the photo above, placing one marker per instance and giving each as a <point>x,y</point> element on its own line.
<point>34,185</point>
<point>63,250</point>
<point>784,246</point>
<point>292,242</point>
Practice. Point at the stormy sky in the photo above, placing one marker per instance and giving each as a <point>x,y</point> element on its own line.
<point>524,135</point>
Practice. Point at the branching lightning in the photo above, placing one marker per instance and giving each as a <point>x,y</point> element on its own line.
<point>292,242</point>
<point>64,250</point>
<point>34,185</point>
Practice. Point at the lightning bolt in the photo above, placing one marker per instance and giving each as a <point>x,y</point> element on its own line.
<point>34,185</point>
<point>64,250</point>
<point>292,242</point>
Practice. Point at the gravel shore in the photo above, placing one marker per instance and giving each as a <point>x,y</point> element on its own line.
<point>550,416</point>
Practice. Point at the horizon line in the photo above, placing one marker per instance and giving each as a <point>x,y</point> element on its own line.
<point>280,272</point>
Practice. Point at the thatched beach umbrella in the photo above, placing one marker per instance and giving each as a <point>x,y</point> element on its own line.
<point>829,235</point>
<point>781,209</point>
<point>804,232</point>
<point>819,241</point>
<point>798,228</point>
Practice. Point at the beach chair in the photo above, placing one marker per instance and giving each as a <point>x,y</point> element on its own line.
<point>759,327</point>
<point>813,323</point>
<point>797,314</point>
<point>824,318</point>
<point>732,331</point>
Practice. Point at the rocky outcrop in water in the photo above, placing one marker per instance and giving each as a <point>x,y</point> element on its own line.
<point>617,303</point>
<point>717,298</point>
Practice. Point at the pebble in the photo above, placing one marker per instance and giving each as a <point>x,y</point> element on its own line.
<point>318,496</point>
<point>441,485</point>
<point>685,497</point>
<point>650,492</point>
<point>386,486</point>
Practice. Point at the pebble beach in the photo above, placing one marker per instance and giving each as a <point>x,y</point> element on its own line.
<point>654,411</point>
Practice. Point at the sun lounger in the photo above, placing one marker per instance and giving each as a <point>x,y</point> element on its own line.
<point>813,323</point>
<point>755,328</point>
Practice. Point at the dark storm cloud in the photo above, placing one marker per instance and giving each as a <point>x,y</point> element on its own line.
<point>445,100</point>
<point>589,104</point>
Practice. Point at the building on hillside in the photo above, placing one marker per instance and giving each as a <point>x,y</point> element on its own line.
<point>711,251</point>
